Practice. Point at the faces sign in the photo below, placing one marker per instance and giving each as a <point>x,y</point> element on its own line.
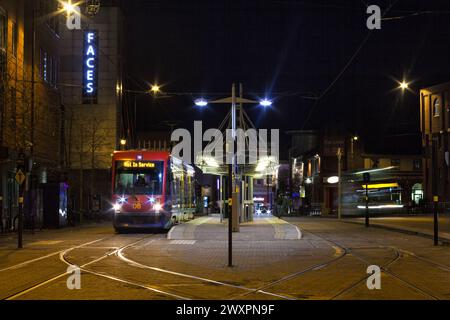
<point>90,67</point>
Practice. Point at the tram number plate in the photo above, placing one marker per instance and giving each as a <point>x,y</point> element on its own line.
<point>137,206</point>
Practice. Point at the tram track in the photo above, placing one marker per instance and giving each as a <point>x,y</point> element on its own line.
<point>384,268</point>
<point>62,254</point>
<point>119,252</point>
<point>347,251</point>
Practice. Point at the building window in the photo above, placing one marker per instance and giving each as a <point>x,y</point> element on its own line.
<point>395,162</point>
<point>417,165</point>
<point>436,107</point>
<point>15,38</point>
<point>3,29</point>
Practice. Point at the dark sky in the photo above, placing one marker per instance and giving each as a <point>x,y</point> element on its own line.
<point>286,50</point>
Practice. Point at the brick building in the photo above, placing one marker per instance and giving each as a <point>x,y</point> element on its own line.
<point>45,112</point>
<point>435,128</point>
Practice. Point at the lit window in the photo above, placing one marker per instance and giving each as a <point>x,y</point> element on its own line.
<point>417,164</point>
<point>3,29</point>
<point>436,107</point>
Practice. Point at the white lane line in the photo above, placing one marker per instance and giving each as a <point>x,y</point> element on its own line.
<point>169,235</point>
<point>183,242</point>
<point>17,266</point>
<point>299,233</point>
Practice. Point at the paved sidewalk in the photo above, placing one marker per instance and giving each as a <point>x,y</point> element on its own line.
<point>418,225</point>
<point>210,228</point>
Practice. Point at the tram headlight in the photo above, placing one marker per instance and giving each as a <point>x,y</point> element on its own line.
<point>117,207</point>
<point>122,200</point>
<point>157,206</point>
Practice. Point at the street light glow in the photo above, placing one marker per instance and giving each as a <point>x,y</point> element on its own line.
<point>404,85</point>
<point>68,6</point>
<point>155,88</point>
<point>265,103</point>
<point>201,102</point>
<point>123,142</point>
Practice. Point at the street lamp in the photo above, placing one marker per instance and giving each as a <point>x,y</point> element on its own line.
<point>265,103</point>
<point>155,89</point>
<point>201,102</point>
<point>404,85</point>
<point>123,143</point>
<point>68,7</point>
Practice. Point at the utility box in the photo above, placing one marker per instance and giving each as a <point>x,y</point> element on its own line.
<point>55,205</point>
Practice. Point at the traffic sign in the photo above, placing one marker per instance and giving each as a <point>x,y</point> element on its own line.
<point>20,177</point>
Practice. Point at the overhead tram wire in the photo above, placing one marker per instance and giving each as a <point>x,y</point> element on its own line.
<point>337,78</point>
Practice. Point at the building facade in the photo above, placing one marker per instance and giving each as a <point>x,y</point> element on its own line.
<point>91,73</point>
<point>47,113</point>
<point>395,179</point>
<point>435,128</point>
<point>13,84</point>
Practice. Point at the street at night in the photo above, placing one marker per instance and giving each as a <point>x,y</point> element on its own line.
<point>224,158</point>
<point>326,260</point>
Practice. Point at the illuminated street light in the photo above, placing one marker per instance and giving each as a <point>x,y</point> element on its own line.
<point>355,138</point>
<point>68,6</point>
<point>155,89</point>
<point>404,85</point>
<point>201,102</point>
<point>265,103</point>
<point>123,142</point>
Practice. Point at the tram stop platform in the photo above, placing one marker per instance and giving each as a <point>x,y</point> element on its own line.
<point>211,228</point>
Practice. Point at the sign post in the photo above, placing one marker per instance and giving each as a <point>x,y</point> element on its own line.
<point>339,156</point>
<point>435,220</point>
<point>20,179</point>
<point>367,181</point>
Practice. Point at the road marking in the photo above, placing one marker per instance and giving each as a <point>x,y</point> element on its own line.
<point>17,266</point>
<point>183,242</point>
<point>299,233</point>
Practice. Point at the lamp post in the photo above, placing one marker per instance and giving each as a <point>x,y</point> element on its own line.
<point>339,156</point>
<point>232,167</point>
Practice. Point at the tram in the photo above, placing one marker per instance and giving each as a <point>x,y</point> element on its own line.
<point>151,190</point>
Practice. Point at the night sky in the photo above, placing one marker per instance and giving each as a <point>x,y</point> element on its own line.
<point>289,51</point>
